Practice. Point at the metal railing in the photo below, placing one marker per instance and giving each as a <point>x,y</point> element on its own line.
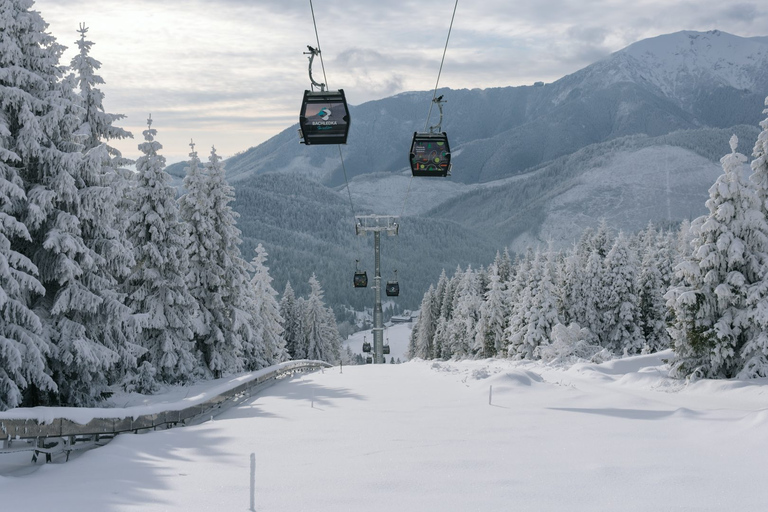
<point>60,434</point>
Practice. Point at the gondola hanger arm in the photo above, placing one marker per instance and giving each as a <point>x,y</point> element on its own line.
<point>312,52</point>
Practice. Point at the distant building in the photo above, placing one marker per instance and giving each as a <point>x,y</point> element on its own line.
<point>407,316</point>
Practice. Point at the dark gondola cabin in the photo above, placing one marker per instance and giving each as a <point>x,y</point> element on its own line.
<point>368,360</point>
<point>366,347</point>
<point>386,350</point>
<point>430,155</point>
<point>392,289</point>
<point>324,118</point>
<point>360,279</point>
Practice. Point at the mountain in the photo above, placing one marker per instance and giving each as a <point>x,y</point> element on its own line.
<point>679,81</point>
<point>634,137</point>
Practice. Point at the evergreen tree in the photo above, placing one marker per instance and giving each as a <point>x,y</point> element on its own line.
<point>40,121</point>
<point>102,224</point>
<point>712,321</point>
<point>157,286</point>
<point>28,72</point>
<point>291,322</point>
<point>321,335</point>
<point>424,330</point>
<point>489,337</point>
<point>267,311</point>
<point>225,300</point>
<point>536,313</point>
<point>652,307</point>
<point>754,354</point>
<point>621,314</point>
<point>465,314</point>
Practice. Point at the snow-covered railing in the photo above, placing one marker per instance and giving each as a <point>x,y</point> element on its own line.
<point>56,422</point>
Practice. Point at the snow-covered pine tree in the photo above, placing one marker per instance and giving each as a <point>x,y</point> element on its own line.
<point>712,319</point>
<point>650,290</point>
<point>226,297</point>
<point>321,341</point>
<point>621,314</point>
<point>301,347</point>
<point>28,72</point>
<point>424,330</point>
<point>41,116</point>
<point>754,354</point>
<point>489,337</point>
<point>157,287</point>
<point>203,242</point>
<point>291,322</point>
<point>267,313</point>
<point>537,312</point>
<point>103,190</point>
<point>465,314</point>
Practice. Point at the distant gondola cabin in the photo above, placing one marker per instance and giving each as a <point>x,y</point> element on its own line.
<point>430,155</point>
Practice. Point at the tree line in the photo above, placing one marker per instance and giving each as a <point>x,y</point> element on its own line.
<point>106,277</point>
<point>701,290</point>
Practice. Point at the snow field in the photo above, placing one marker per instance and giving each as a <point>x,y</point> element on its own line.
<point>422,436</point>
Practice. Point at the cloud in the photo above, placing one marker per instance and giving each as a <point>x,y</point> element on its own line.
<point>236,68</point>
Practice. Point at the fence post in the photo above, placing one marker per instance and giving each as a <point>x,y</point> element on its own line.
<point>253,482</point>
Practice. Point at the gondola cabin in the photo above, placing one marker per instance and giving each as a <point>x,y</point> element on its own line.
<point>430,155</point>
<point>368,360</point>
<point>366,347</point>
<point>324,118</point>
<point>392,288</point>
<point>360,279</point>
<point>386,349</point>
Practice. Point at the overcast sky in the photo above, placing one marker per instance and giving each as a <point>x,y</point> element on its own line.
<point>232,73</point>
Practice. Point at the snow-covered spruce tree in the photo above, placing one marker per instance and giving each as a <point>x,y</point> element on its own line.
<point>300,348</point>
<point>536,314</point>
<point>28,114</point>
<point>41,116</point>
<point>712,317</point>
<point>102,223</point>
<point>157,287</point>
<point>466,312</point>
<point>650,290</point>
<point>489,336</point>
<point>227,345</point>
<point>621,314</point>
<point>754,354</point>
<point>424,330</point>
<point>322,338</point>
<point>291,322</point>
<point>267,310</point>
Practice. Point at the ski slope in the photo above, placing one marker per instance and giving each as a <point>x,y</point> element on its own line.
<point>422,436</point>
<point>397,335</point>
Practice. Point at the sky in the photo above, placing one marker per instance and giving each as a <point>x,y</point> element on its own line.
<point>231,73</point>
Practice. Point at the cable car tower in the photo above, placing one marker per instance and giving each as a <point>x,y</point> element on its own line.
<point>377,224</point>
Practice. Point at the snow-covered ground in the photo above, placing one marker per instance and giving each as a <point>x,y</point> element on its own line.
<point>423,436</point>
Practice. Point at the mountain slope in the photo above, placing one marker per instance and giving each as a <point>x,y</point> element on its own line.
<point>628,181</point>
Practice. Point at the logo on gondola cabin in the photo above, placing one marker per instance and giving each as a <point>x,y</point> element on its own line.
<point>324,113</point>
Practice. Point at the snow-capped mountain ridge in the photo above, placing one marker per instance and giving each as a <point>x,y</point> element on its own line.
<point>681,64</point>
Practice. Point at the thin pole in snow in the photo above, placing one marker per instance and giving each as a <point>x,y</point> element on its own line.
<point>253,482</point>
<point>490,395</point>
<point>313,398</point>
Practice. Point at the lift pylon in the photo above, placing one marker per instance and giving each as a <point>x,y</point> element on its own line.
<point>377,224</point>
